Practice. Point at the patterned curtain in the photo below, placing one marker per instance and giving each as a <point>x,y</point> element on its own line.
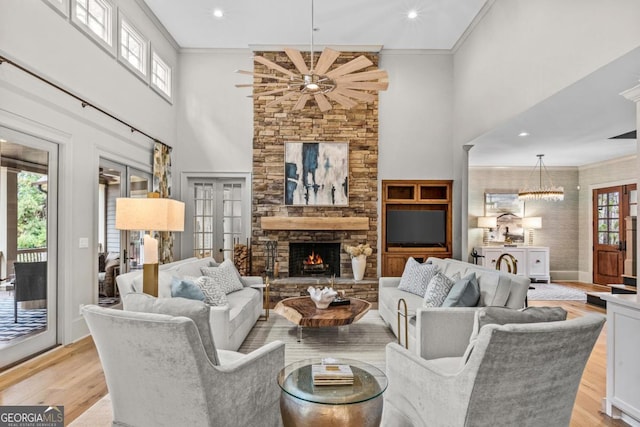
<point>162,185</point>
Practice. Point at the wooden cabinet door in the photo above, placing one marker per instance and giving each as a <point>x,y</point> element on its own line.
<point>393,265</point>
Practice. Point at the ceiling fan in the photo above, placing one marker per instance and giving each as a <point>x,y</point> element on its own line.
<point>341,84</point>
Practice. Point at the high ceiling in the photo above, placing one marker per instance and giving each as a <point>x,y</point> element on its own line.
<point>438,25</point>
<point>571,128</point>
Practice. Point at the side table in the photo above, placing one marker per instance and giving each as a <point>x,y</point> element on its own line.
<point>303,404</point>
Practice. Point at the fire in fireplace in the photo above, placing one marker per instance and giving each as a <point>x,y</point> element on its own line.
<point>314,259</point>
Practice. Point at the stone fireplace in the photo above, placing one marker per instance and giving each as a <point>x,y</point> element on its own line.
<point>272,220</point>
<point>314,259</point>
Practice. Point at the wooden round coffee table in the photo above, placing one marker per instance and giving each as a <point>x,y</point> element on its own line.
<point>303,312</point>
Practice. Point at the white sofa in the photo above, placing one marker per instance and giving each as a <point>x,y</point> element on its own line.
<point>230,323</point>
<point>496,289</point>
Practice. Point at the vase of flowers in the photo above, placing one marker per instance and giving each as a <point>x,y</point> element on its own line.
<point>359,256</point>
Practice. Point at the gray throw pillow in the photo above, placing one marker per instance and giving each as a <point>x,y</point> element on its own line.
<point>416,277</point>
<point>464,293</point>
<point>438,289</point>
<point>194,310</point>
<point>184,288</point>
<point>504,316</point>
<point>225,275</point>
<point>213,292</point>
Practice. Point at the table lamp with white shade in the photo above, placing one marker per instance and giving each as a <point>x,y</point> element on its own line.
<point>487,222</point>
<point>152,214</point>
<point>531,223</point>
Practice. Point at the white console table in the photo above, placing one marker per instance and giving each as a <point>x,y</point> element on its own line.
<point>533,261</point>
<point>623,363</point>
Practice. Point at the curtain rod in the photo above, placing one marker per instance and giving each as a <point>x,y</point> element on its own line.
<point>83,101</point>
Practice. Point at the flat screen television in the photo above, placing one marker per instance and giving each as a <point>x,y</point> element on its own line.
<point>412,228</point>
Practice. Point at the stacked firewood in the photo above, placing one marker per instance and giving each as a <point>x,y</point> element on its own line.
<point>241,258</point>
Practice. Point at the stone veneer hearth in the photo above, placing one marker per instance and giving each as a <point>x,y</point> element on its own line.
<point>272,127</point>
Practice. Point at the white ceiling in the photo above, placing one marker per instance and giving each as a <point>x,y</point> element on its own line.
<point>571,128</point>
<point>439,24</point>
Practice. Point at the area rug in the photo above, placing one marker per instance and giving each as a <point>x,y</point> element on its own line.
<point>555,292</point>
<point>29,321</point>
<point>365,341</point>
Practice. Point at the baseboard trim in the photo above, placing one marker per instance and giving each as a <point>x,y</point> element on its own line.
<point>569,276</point>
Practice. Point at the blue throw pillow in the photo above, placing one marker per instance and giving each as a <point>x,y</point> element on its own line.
<point>186,289</point>
<point>464,293</point>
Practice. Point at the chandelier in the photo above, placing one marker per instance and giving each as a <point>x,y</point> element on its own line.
<point>541,191</point>
<point>318,82</point>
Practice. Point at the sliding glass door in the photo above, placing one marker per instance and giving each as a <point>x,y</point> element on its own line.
<point>28,242</point>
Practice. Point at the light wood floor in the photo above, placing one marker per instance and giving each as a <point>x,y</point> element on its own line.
<point>72,376</point>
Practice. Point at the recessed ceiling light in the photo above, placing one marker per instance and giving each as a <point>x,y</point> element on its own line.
<point>3,140</point>
<point>523,134</point>
<point>218,13</point>
<point>413,14</point>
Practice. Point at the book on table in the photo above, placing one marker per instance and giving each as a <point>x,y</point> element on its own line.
<point>331,374</point>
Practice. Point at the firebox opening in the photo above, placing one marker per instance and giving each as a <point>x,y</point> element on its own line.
<point>314,259</point>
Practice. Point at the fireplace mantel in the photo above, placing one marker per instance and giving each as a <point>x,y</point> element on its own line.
<point>314,223</point>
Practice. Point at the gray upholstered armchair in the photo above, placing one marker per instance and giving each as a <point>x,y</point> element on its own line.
<point>516,374</point>
<point>164,370</point>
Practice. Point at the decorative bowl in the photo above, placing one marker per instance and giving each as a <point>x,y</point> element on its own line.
<point>322,297</point>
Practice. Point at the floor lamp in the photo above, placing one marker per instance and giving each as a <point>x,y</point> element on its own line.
<point>152,214</point>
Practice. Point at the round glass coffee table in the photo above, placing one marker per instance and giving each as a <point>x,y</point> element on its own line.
<point>304,404</point>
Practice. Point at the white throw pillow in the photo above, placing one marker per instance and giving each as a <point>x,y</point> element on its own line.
<point>213,292</point>
<point>225,275</point>
<point>438,289</point>
<point>416,277</point>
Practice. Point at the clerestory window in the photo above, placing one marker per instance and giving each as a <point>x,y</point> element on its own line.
<point>133,48</point>
<point>95,18</point>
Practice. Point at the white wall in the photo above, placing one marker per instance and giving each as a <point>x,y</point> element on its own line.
<point>524,51</point>
<point>215,119</point>
<point>415,116</point>
<point>34,35</point>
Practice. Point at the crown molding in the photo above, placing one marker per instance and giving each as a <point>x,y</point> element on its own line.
<point>632,94</point>
<point>206,50</point>
<point>317,48</point>
<point>156,22</point>
<point>474,23</point>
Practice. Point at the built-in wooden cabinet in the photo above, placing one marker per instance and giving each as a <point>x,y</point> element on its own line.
<point>416,222</point>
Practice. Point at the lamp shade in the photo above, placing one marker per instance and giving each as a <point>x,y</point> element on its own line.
<point>487,222</point>
<point>154,214</point>
<point>532,222</point>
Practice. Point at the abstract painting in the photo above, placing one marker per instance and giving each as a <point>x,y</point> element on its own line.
<point>316,173</point>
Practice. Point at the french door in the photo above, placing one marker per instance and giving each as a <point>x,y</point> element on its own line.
<point>28,245</point>
<point>119,251</point>
<point>611,206</point>
<point>217,215</point>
